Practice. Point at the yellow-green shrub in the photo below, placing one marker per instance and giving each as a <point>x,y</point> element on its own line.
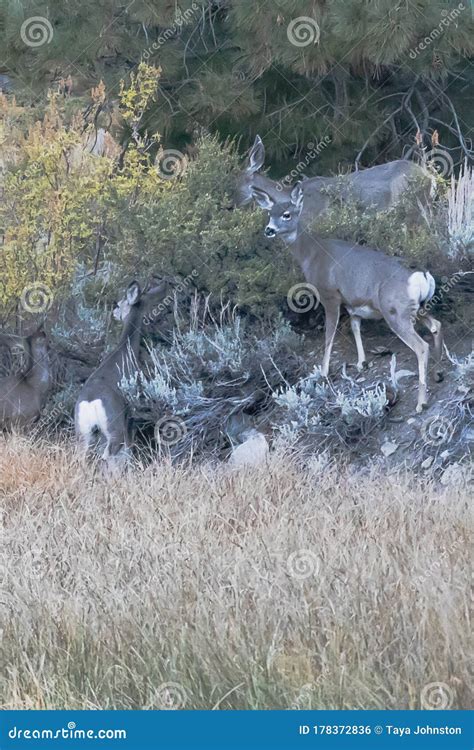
<point>59,200</point>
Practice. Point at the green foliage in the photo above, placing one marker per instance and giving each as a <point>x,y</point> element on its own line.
<point>396,231</point>
<point>191,229</point>
<point>59,199</point>
<point>230,67</point>
<point>66,209</point>
<point>51,207</point>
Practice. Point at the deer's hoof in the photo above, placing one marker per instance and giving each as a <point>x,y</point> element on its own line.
<point>421,407</point>
<point>361,366</point>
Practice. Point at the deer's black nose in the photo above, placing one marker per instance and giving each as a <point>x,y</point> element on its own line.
<point>269,232</point>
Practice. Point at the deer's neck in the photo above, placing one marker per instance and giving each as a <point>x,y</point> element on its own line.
<point>121,361</point>
<point>305,250</point>
<point>298,248</point>
<point>132,330</point>
<point>123,358</point>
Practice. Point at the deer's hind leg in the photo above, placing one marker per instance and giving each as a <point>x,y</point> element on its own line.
<point>117,451</point>
<point>84,429</point>
<point>434,327</point>
<point>84,442</point>
<point>332,311</point>
<point>402,325</point>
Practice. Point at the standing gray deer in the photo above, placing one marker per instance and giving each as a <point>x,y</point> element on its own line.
<point>101,406</point>
<point>23,394</point>
<point>367,282</point>
<point>375,188</point>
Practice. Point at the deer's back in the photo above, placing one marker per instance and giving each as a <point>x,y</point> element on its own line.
<point>113,367</point>
<point>354,273</point>
<point>382,185</point>
<point>376,187</point>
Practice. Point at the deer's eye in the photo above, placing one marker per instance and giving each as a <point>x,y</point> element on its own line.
<point>286,215</point>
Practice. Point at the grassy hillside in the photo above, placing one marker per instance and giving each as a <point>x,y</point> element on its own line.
<point>285,586</point>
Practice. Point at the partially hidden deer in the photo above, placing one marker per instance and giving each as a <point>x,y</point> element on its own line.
<point>101,406</point>
<point>368,283</point>
<point>375,188</point>
<point>23,394</point>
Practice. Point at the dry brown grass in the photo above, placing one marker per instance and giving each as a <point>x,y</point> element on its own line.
<point>265,589</point>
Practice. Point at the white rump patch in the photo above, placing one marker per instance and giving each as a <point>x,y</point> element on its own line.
<point>421,287</point>
<point>91,415</point>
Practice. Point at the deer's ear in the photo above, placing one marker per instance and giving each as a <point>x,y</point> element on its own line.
<point>263,199</point>
<point>256,156</point>
<point>157,285</point>
<point>133,293</point>
<point>297,195</point>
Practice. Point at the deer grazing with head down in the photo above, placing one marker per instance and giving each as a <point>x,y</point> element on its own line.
<point>101,407</point>
<point>375,188</point>
<point>23,394</point>
<point>367,282</point>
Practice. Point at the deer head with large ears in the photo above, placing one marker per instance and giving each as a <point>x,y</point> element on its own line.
<point>263,199</point>
<point>297,197</point>
<point>256,156</point>
<point>157,287</point>
<point>284,217</point>
<point>131,298</point>
<point>250,173</point>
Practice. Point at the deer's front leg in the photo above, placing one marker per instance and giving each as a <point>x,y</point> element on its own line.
<point>332,319</point>
<point>355,326</point>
